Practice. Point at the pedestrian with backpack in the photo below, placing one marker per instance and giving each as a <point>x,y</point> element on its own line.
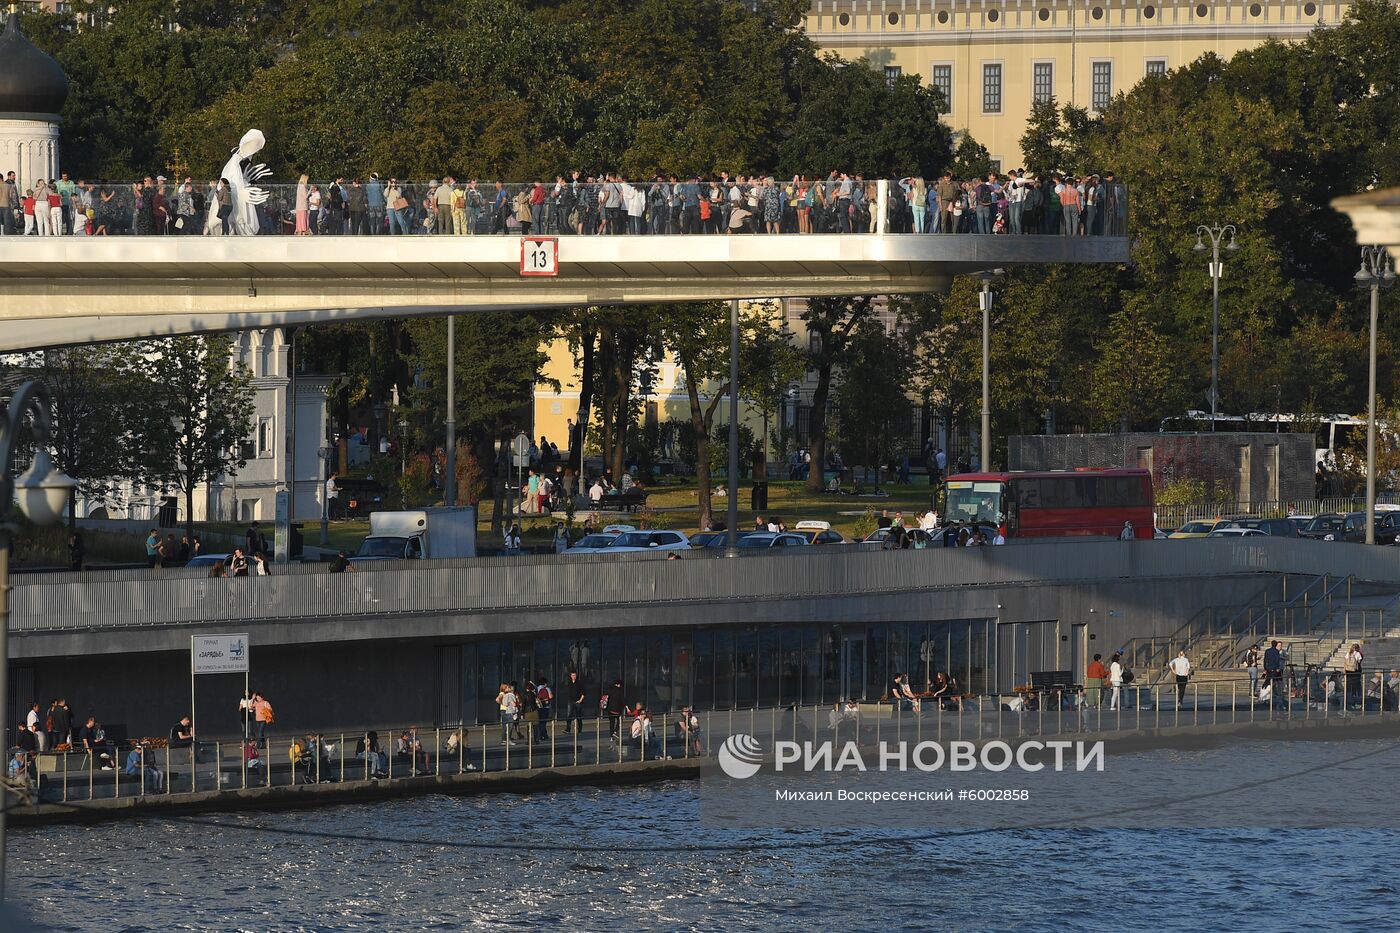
<point>544,697</point>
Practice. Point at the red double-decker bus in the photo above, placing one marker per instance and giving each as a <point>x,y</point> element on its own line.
<point>1057,504</point>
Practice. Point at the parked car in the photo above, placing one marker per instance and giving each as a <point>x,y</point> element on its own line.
<point>922,539</point>
<point>1198,529</point>
<point>593,542</point>
<point>703,539</point>
<point>765,539</point>
<point>1325,527</point>
<point>635,541</point>
<point>819,533</point>
<point>1235,532</point>
<point>1354,528</point>
<point>1274,527</point>
<point>205,561</point>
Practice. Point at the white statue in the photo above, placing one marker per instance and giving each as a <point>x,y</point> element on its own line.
<point>244,195</point>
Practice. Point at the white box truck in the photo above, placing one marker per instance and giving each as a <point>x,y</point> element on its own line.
<point>420,534</point>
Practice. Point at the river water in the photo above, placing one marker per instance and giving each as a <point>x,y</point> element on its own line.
<point>641,858</point>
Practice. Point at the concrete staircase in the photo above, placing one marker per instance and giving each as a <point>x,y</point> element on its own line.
<point>1357,619</point>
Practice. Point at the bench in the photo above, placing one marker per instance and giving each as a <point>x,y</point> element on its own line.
<point>632,500</point>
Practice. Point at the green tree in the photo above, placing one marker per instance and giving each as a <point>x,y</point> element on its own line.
<point>830,323</point>
<point>193,414</point>
<point>698,336</point>
<point>499,358</point>
<point>872,395</point>
<point>971,159</point>
<point>90,388</point>
<point>1133,371</point>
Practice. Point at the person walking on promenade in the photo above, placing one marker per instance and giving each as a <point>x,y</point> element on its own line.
<point>1351,664</point>
<point>577,695</point>
<point>544,697</point>
<point>262,715</point>
<point>1181,667</point>
<point>1115,680</point>
<point>1273,675</point>
<point>1094,676</point>
<point>1251,664</point>
<point>613,706</point>
<point>509,707</point>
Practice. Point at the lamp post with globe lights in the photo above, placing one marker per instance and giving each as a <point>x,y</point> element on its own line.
<point>1377,271</point>
<point>41,493</point>
<point>1216,233</point>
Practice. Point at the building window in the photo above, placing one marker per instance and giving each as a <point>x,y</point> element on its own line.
<point>892,73</point>
<point>1102,89</point>
<point>264,437</point>
<point>1202,10</point>
<point>1255,9</point>
<point>991,88</point>
<point>1097,12</point>
<point>893,19</point>
<point>1149,11</point>
<point>1309,9</point>
<point>844,19</point>
<point>995,164</point>
<point>1156,67</point>
<point>1044,14</point>
<point>943,81</point>
<point>993,16</point>
<point>1043,81</point>
<point>943,17</point>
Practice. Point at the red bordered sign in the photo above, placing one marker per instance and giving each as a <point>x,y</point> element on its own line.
<point>539,255</point>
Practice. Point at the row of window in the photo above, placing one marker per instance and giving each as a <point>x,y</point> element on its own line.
<point>1042,82</point>
<point>1202,10</point>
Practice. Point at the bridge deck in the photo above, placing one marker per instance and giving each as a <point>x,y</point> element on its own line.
<point>65,290</point>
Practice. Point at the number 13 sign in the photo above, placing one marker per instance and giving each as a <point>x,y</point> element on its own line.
<point>539,255</point>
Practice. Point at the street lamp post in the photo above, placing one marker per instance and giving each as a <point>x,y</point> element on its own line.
<point>985,300</point>
<point>449,482</point>
<point>1216,234</point>
<point>42,494</point>
<point>731,531</point>
<point>1377,272</point>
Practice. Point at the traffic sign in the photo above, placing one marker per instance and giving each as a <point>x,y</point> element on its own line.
<point>520,449</point>
<point>539,255</point>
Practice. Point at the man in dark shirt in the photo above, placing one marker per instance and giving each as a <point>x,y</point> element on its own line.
<point>26,740</point>
<point>62,721</point>
<point>182,733</point>
<point>575,694</point>
<point>1273,671</point>
<point>93,740</point>
<point>342,564</point>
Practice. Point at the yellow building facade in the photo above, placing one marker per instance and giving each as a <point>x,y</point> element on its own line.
<point>992,58</point>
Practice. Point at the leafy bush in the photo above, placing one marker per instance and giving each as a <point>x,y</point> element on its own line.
<point>866,524</point>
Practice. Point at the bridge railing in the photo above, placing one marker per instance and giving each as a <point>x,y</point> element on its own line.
<point>589,208</point>
<point>157,598</point>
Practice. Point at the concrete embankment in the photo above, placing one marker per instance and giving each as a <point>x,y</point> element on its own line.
<point>328,794</point>
<point>524,781</point>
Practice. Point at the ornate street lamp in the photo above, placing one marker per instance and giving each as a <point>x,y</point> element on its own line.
<point>1216,233</point>
<point>1377,272</point>
<point>41,493</point>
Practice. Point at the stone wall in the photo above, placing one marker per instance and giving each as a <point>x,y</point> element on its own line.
<point>1247,467</point>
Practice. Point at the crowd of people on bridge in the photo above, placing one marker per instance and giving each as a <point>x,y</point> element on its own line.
<point>608,203</point>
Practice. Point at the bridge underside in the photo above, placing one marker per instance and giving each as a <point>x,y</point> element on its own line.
<point>63,291</point>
